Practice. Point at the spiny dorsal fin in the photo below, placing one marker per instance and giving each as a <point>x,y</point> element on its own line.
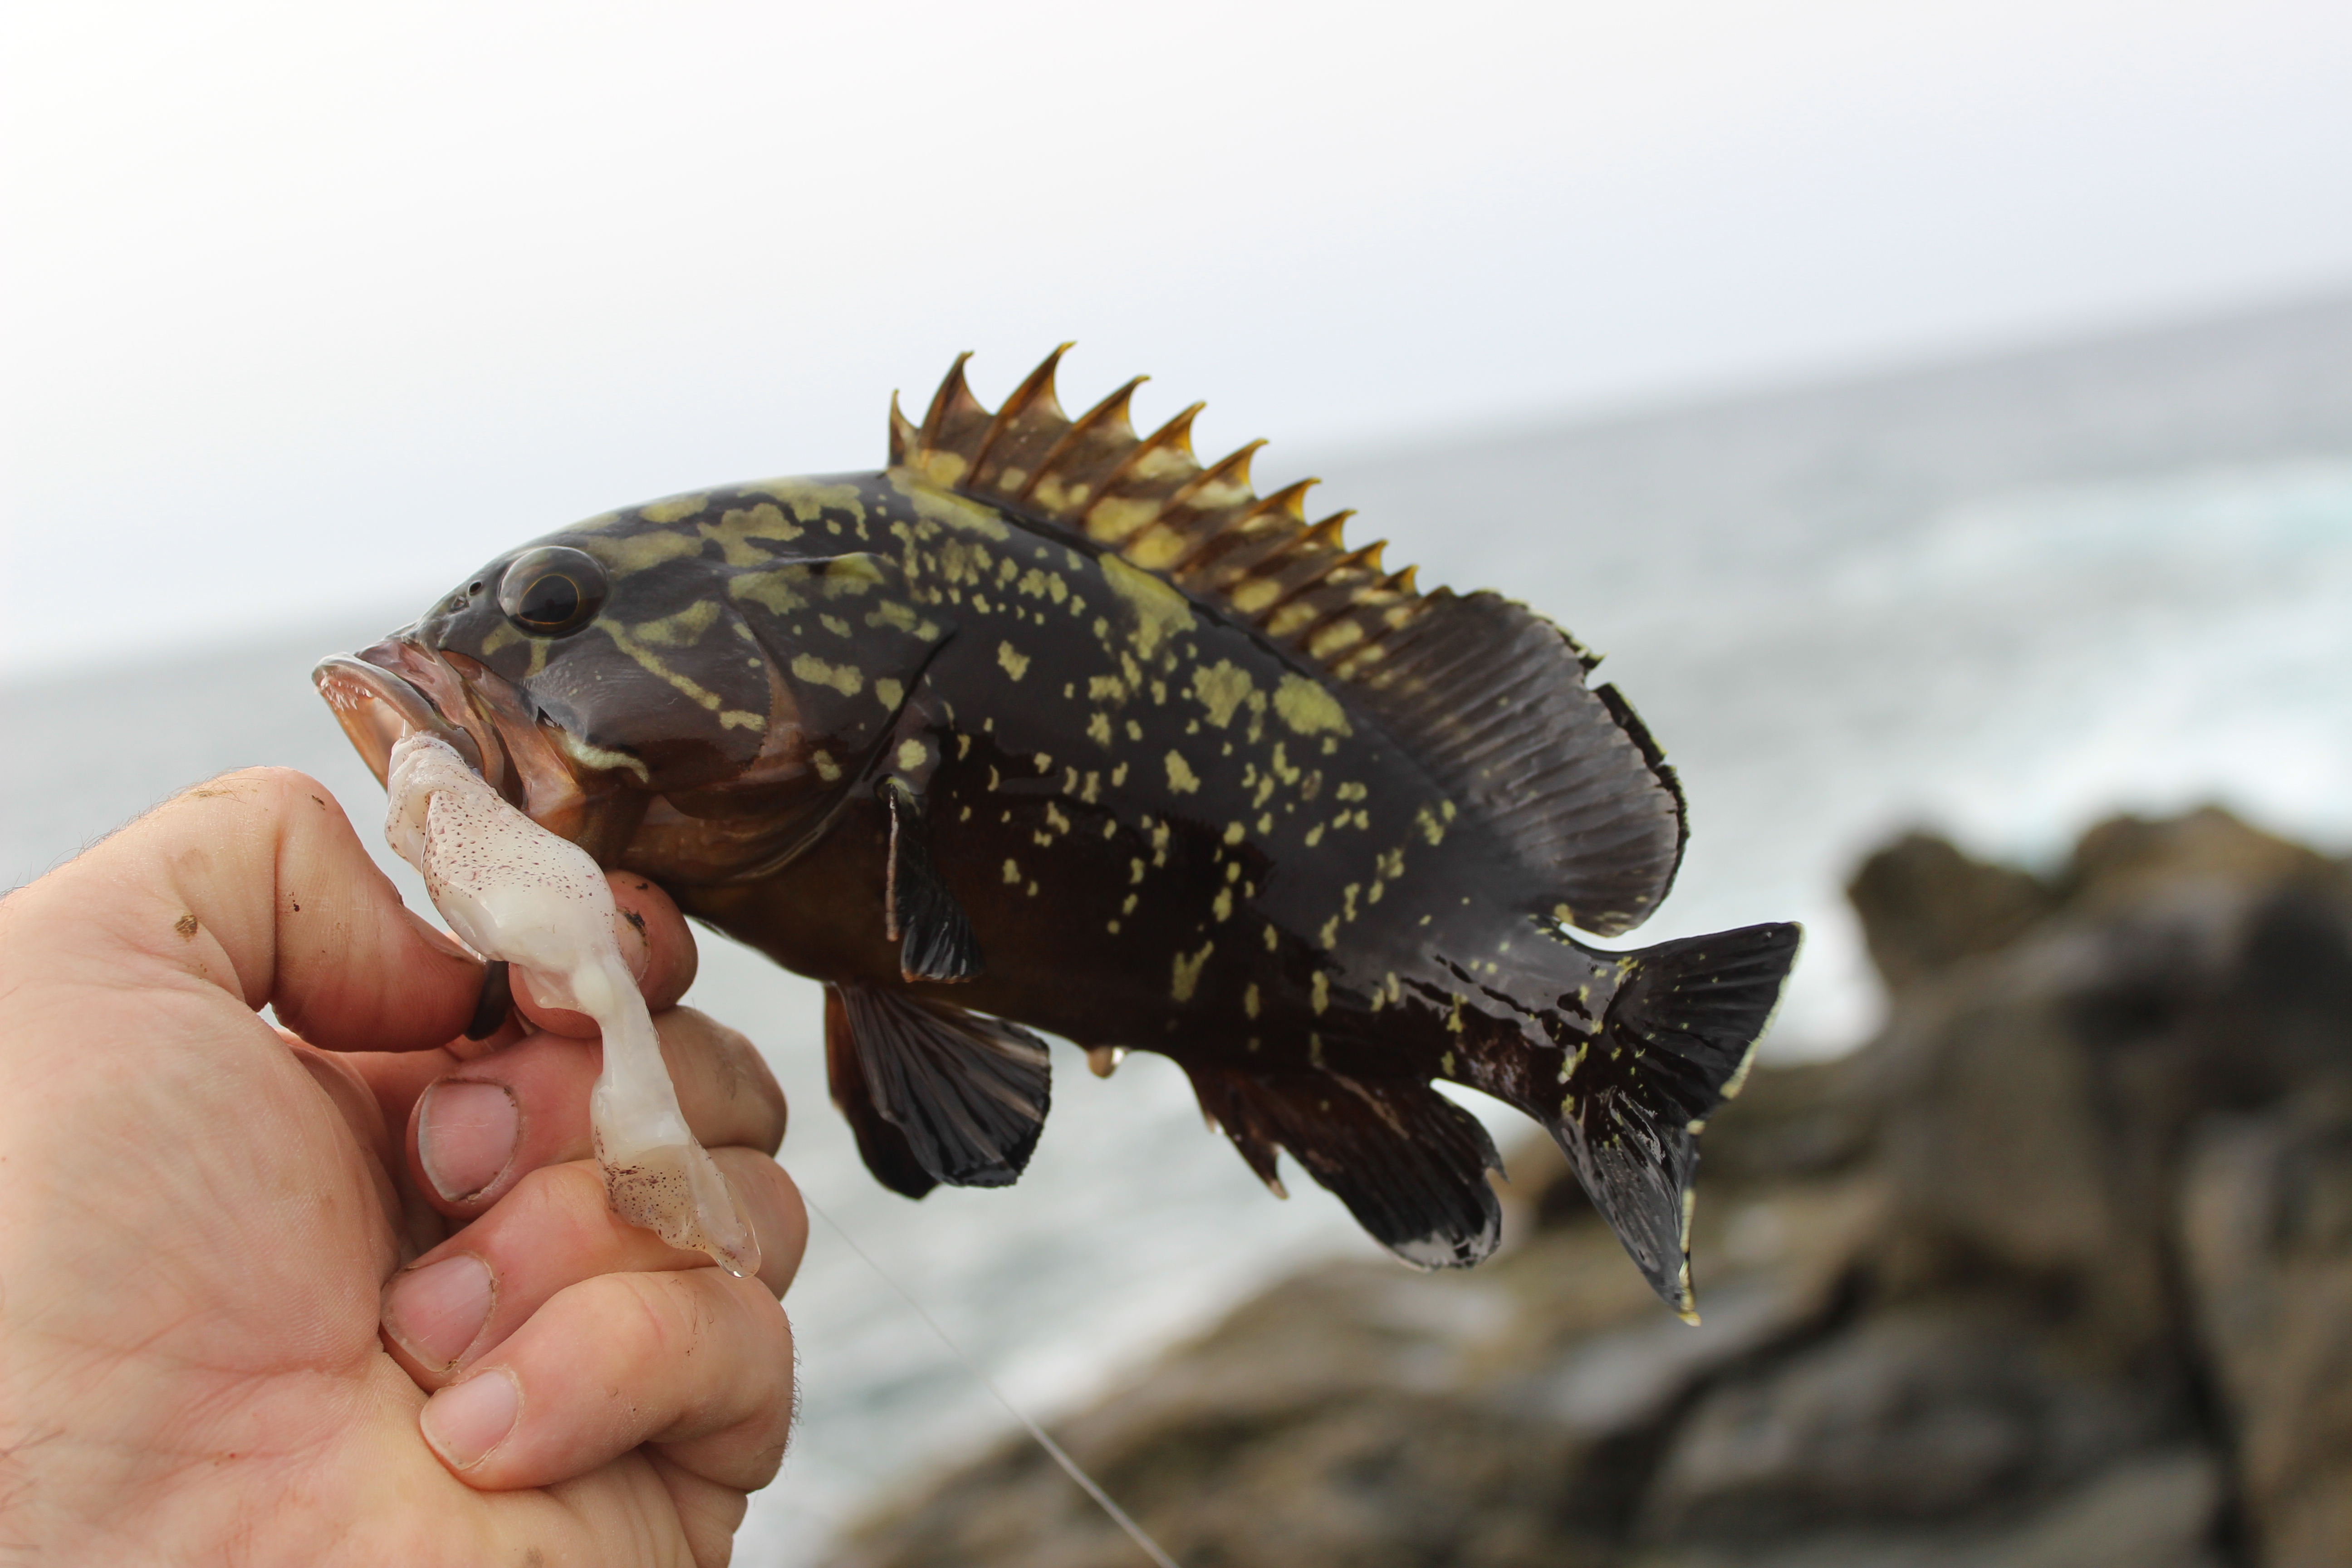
<point>1491,697</point>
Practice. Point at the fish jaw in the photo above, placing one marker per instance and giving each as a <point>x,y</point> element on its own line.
<point>383,694</point>
<point>400,686</point>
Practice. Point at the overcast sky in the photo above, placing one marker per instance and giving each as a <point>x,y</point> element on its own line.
<point>309,308</point>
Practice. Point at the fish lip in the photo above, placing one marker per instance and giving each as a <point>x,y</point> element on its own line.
<point>396,689</point>
<point>403,687</point>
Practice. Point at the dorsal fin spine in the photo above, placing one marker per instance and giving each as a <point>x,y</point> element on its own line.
<point>904,438</point>
<point>1037,391</point>
<point>1234,468</point>
<point>952,390</point>
<point>1290,500</point>
<point>1176,437</point>
<point>1112,412</point>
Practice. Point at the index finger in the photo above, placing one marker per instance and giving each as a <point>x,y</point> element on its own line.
<point>254,884</point>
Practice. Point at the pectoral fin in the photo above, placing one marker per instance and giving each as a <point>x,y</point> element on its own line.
<point>935,936</point>
<point>935,1093</point>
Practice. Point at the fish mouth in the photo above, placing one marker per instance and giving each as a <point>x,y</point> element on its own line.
<point>379,702</point>
<point>403,687</point>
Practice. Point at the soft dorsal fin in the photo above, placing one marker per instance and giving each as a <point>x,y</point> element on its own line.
<point>1491,697</point>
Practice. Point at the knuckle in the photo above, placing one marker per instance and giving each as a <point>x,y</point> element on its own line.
<point>563,1203</point>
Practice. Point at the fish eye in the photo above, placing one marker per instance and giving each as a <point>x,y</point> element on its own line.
<point>552,590</point>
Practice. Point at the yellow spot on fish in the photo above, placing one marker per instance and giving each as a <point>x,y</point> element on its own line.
<point>1012,872</point>
<point>738,529</point>
<point>683,629</point>
<point>1224,906</point>
<point>1255,595</point>
<point>1098,728</point>
<point>826,768</point>
<point>1015,662</point>
<point>901,617</point>
<point>845,678</point>
<point>936,502</point>
<point>1187,973</point>
<point>676,509</point>
<point>1161,611</point>
<point>912,754</point>
<point>810,500</point>
<point>1221,688</point>
<point>891,693</point>
<point>1249,1000</point>
<point>1234,831</point>
<point>1335,639</point>
<point>1181,778</point>
<point>1113,518</point>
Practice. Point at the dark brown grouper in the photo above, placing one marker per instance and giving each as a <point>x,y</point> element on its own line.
<point>1048,723</point>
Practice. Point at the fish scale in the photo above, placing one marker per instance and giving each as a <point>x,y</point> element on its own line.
<point>1048,725</point>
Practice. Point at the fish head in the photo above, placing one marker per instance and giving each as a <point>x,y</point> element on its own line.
<point>633,691</point>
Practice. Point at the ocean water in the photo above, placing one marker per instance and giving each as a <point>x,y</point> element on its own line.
<point>2003,599</point>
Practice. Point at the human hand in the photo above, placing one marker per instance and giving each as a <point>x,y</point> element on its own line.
<point>207,1220</point>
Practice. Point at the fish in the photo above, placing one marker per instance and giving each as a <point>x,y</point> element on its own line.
<point>1047,727</point>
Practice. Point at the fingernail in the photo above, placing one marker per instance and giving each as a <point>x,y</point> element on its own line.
<point>438,1311</point>
<point>465,1421</point>
<point>465,1135</point>
<point>636,948</point>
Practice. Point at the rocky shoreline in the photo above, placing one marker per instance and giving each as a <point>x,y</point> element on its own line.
<point>2056,1272</point>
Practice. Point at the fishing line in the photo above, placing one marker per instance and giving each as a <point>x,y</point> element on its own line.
<point>1150,1547</point>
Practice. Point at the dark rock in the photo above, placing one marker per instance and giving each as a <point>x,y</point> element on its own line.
<point>2267,1234</point>
<point>2158,1510</point>
<point>1923,906</point>
<point>1914,1414</point>
<point>2038,1100</point>
<point>2057,1273</point>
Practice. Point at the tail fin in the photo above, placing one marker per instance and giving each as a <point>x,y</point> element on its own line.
<point>1673,1044</point>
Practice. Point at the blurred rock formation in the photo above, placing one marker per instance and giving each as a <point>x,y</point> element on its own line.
<point>2056,1273</point>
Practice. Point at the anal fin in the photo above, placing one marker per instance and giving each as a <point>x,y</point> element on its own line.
<point>934,934</point>
<point>1410,1164</point>
<point>934,1093</point>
